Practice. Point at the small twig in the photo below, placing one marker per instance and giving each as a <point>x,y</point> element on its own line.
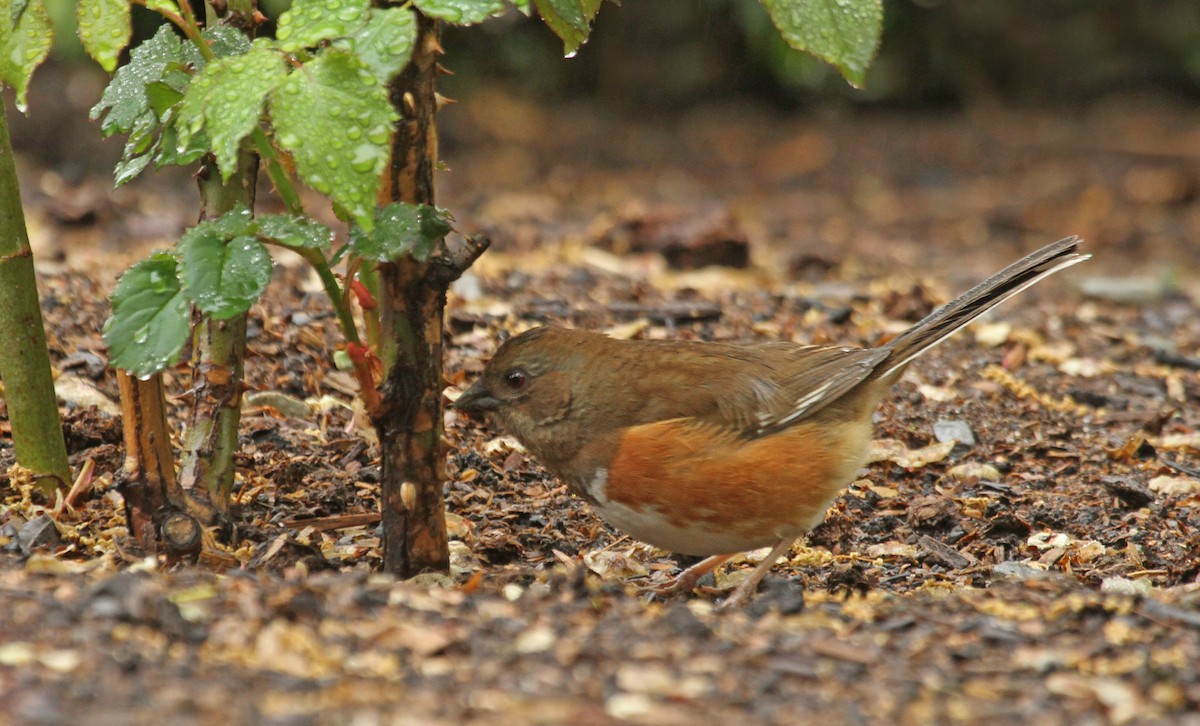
<point>341,521</point>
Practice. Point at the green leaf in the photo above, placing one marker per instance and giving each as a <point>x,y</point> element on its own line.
<point>23,44</point>
<point>171,151</point>
<point>161,96</point>
<point>150,317</point>
<point>570,20</point>
<point>223,41</point>
<point>386,42</point>
<point>308,22</point>
<point>234,223</point>
<point>130,166</point>
<point>293,230</point>
<point>224,275</point>
<point>401,228</point>
<point>227,99</point>
<point>163,6</point>
<point>461,12</point>
<point>104,29</point>
<point>844,33</point>
<point>124,102</point>
<point>333,115</point>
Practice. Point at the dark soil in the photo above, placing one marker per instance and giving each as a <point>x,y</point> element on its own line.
<point>1045,573</point>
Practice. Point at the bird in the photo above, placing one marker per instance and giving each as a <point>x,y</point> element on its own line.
<point>714,448</point>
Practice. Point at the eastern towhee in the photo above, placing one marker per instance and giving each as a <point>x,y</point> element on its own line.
<point>714,448</point>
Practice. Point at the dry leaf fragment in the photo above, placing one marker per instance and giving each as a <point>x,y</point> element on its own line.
<point>892,549</point>
<point>974,469</point>
<point>1174,486</point>
<point>1189,441</point>
<point>991,335</point>
<point>83,393</point>
<point>614,565</point>
<point>899,454</point>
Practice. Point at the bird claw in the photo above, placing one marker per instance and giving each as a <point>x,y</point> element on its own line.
<point>683,583</point>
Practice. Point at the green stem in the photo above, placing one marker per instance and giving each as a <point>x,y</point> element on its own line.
<point>191,29</point>
<point>283,183</point>
<point>24,358</point>
<point>329,281</point>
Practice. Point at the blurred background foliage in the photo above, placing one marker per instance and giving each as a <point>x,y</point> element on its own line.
<point>660,54</point>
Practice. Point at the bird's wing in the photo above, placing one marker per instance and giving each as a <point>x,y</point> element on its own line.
<point>803,380</point>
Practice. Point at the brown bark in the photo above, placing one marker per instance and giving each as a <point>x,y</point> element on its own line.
<point>410,419</point>
<point>147,481</point>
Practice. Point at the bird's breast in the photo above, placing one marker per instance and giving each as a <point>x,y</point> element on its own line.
<point>697,489</point>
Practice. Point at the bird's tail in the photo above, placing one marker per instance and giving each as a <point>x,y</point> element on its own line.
<point>951,317</point>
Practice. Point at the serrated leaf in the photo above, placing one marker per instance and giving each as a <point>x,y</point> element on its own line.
<point>570,20</point>
<point>129,167</point>
<point>385,43</point>
<point>150,318</point>
<point>23,48</point>
<point>224,276</point>
<point>461,12</point>
<point>293,230</point>
<point>161,96</point>
<point>223,41</point>
<point>844,33</point>
<point>124,101</point>
<point>226,100</point>
<point>334,117</point>
<point>171,152</point>
<point>309,22</point>
<point>104,28</point>
<point>237,221</point>
<point>400,228</point>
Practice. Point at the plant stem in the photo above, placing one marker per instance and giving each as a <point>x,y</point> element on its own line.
<point>283,183</point>
<point>24,359</point>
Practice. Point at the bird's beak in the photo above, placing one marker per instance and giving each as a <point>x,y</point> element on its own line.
<point>476,399</point>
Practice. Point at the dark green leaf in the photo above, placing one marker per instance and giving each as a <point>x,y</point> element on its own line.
<point>333,115</point>
<point>400,228</point>
<point>171,152</point>
<point>223,41</point>
<point>104,28</point>
<point>292,230</point>
<point>129,167</point>
<point>150,318</point>
<point>125,101</point>
<point>161,96</point>
<point>844,33</point>
<point>224,276</point>
<point>461,12</point>
<point>570,20</point>
<point>308,22</point>
<point>226,40</point>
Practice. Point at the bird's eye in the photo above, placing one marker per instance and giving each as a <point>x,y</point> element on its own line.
<point>515,380</point>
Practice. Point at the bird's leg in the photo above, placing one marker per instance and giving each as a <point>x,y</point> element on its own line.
<point>686,580</point>
<point>747,587</point>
